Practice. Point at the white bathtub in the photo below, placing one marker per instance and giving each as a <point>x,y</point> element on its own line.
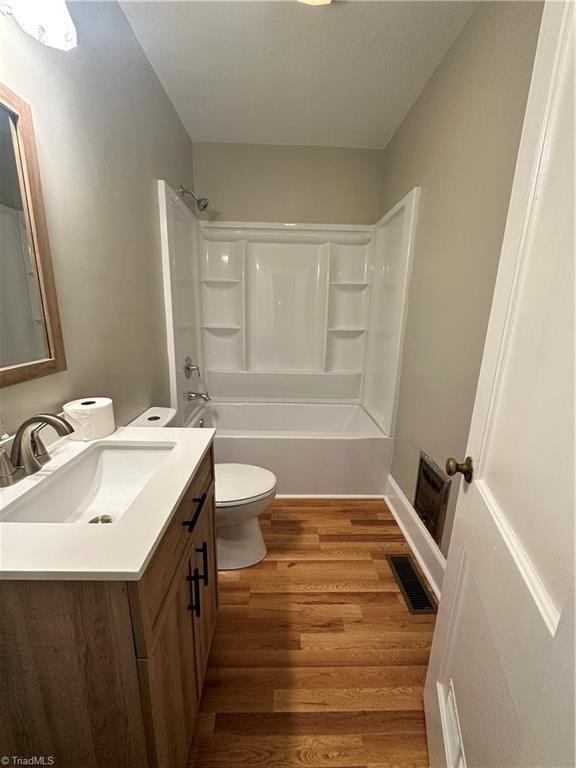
<point>326,450</point>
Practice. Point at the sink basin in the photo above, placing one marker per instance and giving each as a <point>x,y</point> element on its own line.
<point>102,481</point>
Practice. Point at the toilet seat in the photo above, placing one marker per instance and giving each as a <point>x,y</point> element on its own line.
<point>238,484</point>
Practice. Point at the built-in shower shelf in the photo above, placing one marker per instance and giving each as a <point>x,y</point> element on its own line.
<point>219,281</point>
<point>347,330</point>
<point>349,284</point>
<point>222,327</point>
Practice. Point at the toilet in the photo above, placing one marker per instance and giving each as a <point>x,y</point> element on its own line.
<point>243,492</point>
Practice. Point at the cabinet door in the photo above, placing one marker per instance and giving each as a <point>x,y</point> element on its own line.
<point>171,675</point>
<point>206,571</point>
<point>148,596</point>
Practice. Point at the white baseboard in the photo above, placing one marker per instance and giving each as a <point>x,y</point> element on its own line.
<point>426,551</point>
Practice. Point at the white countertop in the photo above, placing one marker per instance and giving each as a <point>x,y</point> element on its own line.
<point>120,550</point>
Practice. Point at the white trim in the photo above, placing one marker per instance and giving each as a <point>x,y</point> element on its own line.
<point>426,551</point>
<point>163,192</point>
<point>546,604</point>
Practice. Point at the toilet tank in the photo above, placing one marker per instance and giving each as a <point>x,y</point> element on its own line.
<point>155,417</point>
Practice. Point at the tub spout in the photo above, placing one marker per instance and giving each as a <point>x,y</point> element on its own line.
<point>192,396</point>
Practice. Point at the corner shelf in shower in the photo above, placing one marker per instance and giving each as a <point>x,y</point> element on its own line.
<point>349,284</point>
<point>345,349</point>
<point>217,281</point>
<point>223,348</point>
<point>347,312</point>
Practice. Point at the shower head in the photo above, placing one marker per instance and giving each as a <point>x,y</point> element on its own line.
<point>201,202</point>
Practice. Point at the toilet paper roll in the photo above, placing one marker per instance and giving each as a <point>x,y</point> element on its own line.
<point>91,417</point>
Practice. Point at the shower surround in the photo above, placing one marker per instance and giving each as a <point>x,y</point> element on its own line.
<point>287,314</point>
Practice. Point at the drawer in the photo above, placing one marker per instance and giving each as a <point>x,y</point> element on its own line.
<point>149,595</point>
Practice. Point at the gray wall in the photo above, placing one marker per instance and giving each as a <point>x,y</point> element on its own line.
<point>459,143</point>
<point>105,131</point>
<point>257,182</point>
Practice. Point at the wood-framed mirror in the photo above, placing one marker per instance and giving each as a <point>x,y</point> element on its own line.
<point>31,343</point>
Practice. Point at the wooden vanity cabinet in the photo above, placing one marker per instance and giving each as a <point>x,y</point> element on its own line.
<point>109,674</point>
<point>204,575</point>
<point>168,679</point>
<point>174,613</point>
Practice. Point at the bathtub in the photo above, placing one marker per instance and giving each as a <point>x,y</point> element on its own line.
<point>314,450</point>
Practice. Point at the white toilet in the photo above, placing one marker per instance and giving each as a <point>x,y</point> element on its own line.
<point>243,492</point>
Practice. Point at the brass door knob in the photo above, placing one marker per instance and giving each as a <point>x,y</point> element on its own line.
<point>466,468</point>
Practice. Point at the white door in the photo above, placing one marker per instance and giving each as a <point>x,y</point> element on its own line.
<point>178,230</point>
<point>500,685</point>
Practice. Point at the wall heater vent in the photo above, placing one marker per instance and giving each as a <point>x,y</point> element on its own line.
<point>432,492</point>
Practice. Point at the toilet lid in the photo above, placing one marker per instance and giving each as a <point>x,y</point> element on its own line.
<point>240,483</point>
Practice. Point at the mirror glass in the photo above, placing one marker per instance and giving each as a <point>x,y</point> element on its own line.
<point>23,336</point>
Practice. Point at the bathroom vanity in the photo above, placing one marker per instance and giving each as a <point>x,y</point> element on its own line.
<point>106,629</point>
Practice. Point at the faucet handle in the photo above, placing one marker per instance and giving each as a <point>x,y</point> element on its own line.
<point>9,474</point>
<point>190,368</point>
<point>37,444</point>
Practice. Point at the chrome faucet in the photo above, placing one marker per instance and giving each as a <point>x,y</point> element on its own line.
<point>28,451</point>
<point>192,396</point>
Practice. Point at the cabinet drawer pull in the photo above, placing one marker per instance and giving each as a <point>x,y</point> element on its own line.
<point>195,604</point>
<point>204,550</point>
<point>200,501</point>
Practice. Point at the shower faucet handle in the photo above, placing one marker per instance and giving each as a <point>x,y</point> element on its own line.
<point>190,368</point>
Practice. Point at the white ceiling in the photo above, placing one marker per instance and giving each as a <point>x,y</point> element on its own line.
<point>271,72</point>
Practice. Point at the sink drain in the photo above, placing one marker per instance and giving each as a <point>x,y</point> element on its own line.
<point>102,519</point>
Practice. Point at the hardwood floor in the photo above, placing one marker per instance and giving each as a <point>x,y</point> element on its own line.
<point>316,660</point>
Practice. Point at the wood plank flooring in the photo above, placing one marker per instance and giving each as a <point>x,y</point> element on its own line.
<point>316,660</point>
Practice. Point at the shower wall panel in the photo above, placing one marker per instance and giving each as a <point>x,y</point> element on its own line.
<point>283,299</point>
<point>394,240</point>
<point>287,306</point>
<point>286,293</point>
